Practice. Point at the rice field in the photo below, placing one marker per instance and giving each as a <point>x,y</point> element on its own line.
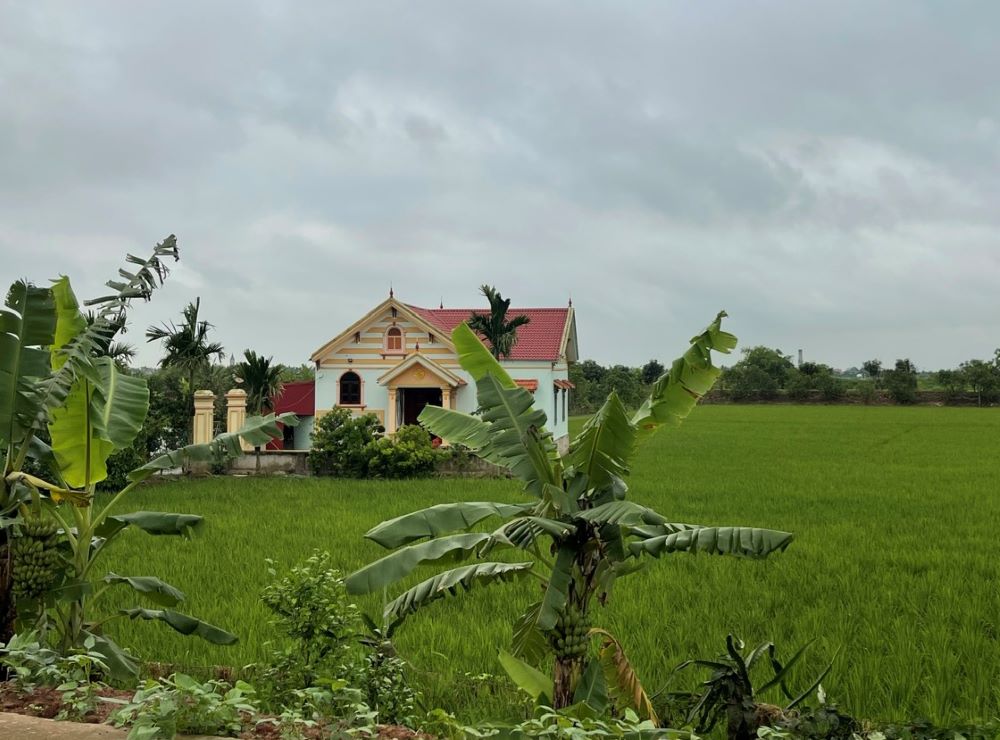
<point>895,565</point>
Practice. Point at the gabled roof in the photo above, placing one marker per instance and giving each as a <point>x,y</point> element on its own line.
<point>404,310</point>
<point>543,338</point>
<point>432,367</point>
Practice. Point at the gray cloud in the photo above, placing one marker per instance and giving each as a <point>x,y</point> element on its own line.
<point>827,172</point>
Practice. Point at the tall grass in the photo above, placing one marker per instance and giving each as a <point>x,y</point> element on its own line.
<point>896,516</point>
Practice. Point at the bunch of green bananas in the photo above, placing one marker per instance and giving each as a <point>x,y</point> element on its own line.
<point>569,638</point>
<point>35,559</point>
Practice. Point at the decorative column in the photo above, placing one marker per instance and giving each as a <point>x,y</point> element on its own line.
<point>446,398</point>
<point>236,414</point>
<point>390,413</point>
<point>204,411</point>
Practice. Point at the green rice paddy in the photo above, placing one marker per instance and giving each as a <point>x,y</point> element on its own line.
<point>895,565</point>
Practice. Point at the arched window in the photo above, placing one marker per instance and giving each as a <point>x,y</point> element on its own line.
<point>350,389</point>
<point>394,340</point>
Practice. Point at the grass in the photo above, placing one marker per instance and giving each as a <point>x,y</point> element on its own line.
<point>895,563</point>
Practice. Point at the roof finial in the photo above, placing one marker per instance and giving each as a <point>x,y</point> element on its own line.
<point>571,300</point>
<point>391,294</point>
<point>441,304</point>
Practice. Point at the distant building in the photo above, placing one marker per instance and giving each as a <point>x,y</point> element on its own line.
<point>398,358</point>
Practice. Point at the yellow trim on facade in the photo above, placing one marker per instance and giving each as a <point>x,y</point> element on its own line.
<point>364,323</point>
<point>409,369</point>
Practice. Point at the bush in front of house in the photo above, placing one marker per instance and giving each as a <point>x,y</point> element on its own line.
<point>340,443</point>
<point>406,454</point>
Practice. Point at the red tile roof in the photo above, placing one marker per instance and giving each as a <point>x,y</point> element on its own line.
<point>539,339</point>
<point>529,384</point>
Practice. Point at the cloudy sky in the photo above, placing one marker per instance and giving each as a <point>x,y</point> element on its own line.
<point>826,172</point>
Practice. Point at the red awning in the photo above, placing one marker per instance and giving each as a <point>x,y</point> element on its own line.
<point>564,384</point>
<point>529,384</point>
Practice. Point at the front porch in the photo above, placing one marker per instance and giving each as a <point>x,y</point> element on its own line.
<point>412,385</point>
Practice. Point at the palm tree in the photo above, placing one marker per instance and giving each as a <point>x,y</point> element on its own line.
<point>186,347</point>
<point>262,381</point>
<point>500,334</point>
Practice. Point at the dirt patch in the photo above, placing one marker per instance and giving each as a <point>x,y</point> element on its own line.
<point>45,703</point>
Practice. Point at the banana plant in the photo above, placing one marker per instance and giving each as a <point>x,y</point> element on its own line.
<point>55,383</point>
<point>577,531</point>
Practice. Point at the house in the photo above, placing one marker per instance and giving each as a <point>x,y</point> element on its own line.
<point>398,358</point>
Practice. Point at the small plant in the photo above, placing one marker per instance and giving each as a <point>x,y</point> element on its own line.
<point>180,704</point>
<point>730,692</point>
<point>311,607</point>
<point>75,676</point>
<point>384,677</point>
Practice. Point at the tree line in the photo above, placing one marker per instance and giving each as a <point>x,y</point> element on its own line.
<point>764,374</point>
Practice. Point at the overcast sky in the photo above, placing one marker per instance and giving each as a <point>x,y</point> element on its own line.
<point>826,172</point>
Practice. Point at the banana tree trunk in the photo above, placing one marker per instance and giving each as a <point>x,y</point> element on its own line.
<point>567,674</point>
<point>7,611</point>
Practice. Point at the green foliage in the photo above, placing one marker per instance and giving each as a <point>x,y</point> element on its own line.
<point>867,391</point>
<point>901,382</point>
<point>651,371</point>
<point>730,692</point>
<point>494,327</point>
<point>406,454</point>
<point>178,704</point>
<point>813,377</point>
<point>772,362</point>
<point>750,383</point>
<point>578,507</point>
<point>326,635</point>
<point>260,379</point>
<point>89,409</point>
<point>310,607</point>
<point>983,378</point>
<point>595,383</point>
<point>340,443</point>
<point>813,468</point>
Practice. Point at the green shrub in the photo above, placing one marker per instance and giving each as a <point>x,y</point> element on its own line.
<point>311,608</point>
<point>406,454</point>
<point>750,383</point>
<point>180,704</point>
<point>830,388</point>
<point>799,385</point>
<point>339,444</point>
<point>867,391</point>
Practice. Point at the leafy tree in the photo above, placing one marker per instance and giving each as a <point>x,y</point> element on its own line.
<point>873,369</point>
<point>626,382</point>
<point>576,534</point>
<point>500,333</point>
<point>293,374</point>
<point>651,371</point>
<point>953,382</point>
<point>262,381</point>
<point>901,382</point>
<point>772,361</point>
<point>983,378</point>
<point>750,382</point>
<point>54,380</point>
<point>187,347</point>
